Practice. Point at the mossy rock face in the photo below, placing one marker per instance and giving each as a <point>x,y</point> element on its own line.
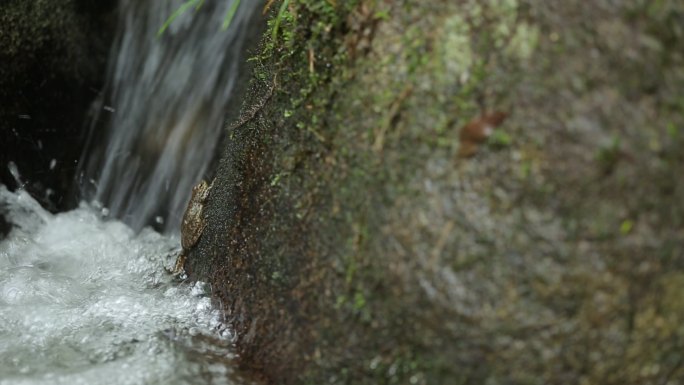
<point>53,56</point>
<point>348,243</point>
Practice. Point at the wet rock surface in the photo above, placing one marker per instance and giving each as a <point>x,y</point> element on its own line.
<point>347,241</point>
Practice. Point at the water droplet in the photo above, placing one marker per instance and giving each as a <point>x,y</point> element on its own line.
<point>14,170</point>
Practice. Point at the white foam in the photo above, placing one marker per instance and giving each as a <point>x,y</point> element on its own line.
<point>87,301</point>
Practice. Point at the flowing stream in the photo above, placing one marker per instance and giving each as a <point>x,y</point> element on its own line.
<point>84,295</point>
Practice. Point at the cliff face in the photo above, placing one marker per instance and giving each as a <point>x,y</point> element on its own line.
<point>351,239</point>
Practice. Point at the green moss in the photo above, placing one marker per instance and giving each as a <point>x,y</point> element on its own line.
<point>500,139</point>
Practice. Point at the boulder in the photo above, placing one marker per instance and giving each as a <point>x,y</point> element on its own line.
<point>348,242</point>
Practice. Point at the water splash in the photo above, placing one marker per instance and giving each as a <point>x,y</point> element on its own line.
<point>85,301</point>
<point>165,113</point>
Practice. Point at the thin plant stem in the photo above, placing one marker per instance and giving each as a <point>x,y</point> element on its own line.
<point>181,10</point>
<point>231,13</point>
<point>281,13</point>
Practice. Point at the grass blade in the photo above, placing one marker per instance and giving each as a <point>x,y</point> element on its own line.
<point>231,13</point>
<point>281,13</point>
<point>177,13</point>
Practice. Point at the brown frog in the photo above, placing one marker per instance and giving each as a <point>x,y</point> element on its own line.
<point>193,222</point>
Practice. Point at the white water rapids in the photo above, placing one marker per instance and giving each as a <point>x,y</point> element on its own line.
<point>87,301</point>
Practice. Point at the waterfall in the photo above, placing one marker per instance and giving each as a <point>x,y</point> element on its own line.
<point>158,125</point>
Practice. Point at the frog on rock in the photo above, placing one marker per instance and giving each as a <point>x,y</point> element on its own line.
<point>193,222</point>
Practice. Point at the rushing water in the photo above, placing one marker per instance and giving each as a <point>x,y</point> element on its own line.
<point>84,297</point>
<point>87,301</point>
<point>158,127</point>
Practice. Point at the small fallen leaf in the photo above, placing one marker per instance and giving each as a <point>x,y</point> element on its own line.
<point>477,131</point>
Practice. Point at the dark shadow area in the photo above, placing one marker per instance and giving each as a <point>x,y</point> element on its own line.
<point>53,56</point>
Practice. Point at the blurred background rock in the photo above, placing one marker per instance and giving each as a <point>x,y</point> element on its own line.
<point>53,56</point>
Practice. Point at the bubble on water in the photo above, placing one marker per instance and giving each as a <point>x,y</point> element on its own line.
<point>86,301</point>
